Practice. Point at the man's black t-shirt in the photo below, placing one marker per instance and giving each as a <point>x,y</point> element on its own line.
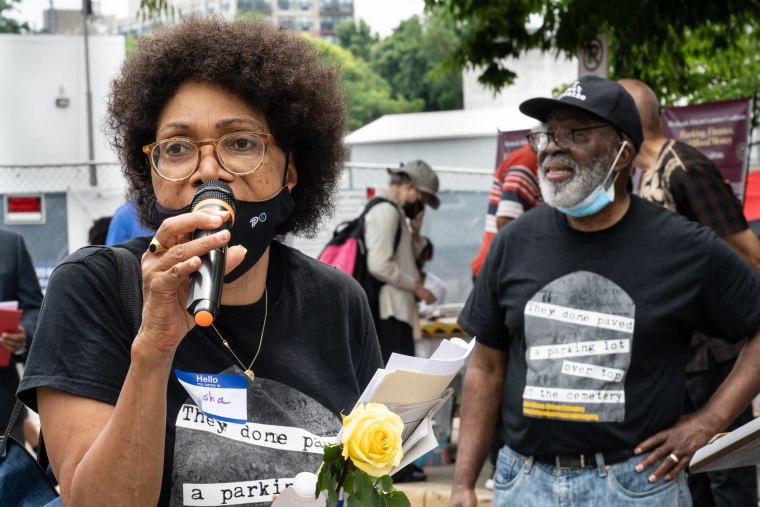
<point>597,324</point>
<point>318,353</point>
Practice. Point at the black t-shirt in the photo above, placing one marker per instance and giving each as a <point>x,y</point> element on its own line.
<point>597,325</point>
<point>319,352</point>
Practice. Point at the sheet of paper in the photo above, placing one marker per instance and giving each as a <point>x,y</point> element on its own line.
<point>422,438</point>
<point>738,448</point>
<point>8,305</point>
<point>9,321</point>
<point>455,349</point>
<point>416,388</point>
<point>371,386</point>
<point>396,387</point>
<point>415,413</point>
<point>416,406</point>
<point>448,358</point>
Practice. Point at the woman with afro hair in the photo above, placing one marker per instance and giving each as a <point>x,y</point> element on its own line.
<point>218,406</point>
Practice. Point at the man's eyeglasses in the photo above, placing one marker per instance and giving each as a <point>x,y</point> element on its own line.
<point>239,153</point>
<point>563,138</point>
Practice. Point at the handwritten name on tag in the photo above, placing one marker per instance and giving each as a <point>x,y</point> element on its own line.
<point>218,395</point>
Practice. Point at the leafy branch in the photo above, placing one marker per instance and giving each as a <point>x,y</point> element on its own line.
<point>361,489</point>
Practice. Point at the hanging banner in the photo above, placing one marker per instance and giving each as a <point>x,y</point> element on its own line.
<point>509,141</point>
<point>720,130</point>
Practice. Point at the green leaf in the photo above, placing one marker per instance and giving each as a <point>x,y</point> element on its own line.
<point>348,483</point>
<point>332,498</point>
<point>683,49</point>
<point>362,484</point>
<point>386,483</point>
<point>325,481</point>
<point>396,499</point>
<point>331,453</point>
<point>370,498</point>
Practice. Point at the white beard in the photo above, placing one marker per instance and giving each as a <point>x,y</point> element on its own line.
<point>570,192</point>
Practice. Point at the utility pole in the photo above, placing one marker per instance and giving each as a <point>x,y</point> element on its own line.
<point>86,12</point>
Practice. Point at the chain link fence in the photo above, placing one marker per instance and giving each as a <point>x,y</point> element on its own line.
<point>59,177</point>
<point>62,186</point>
<point>455,229</point>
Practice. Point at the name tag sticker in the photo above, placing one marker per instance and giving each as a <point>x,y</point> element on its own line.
<point>219,396</point>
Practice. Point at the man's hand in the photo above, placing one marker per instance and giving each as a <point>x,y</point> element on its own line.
<point>424,294</point>
<point>676,445</point>
<point>14,341</point>
<point>463,498</point>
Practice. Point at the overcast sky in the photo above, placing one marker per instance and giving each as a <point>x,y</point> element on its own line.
<point>381,15</point>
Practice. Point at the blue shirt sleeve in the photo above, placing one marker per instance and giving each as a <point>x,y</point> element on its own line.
<point>125,225</point>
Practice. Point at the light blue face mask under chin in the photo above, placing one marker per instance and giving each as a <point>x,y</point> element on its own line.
<point>599,198</point>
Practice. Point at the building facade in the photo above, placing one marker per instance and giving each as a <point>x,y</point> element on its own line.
<point>318,18</point>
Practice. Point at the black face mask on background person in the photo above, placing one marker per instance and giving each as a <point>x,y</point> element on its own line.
<point>412,209</point>
<point>254,228</point>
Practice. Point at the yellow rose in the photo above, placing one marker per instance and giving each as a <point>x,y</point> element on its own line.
<point>371,438</point>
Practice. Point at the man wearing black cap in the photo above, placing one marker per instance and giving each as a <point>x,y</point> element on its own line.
<point>583,313</point>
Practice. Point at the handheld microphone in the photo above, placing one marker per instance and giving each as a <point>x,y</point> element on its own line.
<point>205,291</point>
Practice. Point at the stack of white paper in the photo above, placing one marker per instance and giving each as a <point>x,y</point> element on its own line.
<point>415,388</point>
<point>738,448</point>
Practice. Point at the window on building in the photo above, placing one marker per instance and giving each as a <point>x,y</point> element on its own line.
<point>254,5</point>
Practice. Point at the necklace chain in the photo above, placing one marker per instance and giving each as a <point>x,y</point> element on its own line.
<point>248,372</point>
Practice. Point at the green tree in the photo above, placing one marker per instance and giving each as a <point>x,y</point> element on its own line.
<point>367,95</point>
<point>649,40</point>
<point>8,25</point>
<point>157,12</point>
<point>130,45</point>
<point>731,73</point>
<point>410,60</point>
<point>357,38</point>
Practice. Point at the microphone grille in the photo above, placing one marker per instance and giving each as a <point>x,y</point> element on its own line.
<point>214,189</point>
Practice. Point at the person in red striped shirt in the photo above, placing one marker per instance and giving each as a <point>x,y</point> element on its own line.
<point>514,191</point>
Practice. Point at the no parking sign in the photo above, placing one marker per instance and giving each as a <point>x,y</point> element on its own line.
<point>593,58</point>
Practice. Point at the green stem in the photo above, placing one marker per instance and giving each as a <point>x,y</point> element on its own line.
<point>342,477</point>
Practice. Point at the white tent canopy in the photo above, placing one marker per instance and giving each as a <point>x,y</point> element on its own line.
<point>461,138</point>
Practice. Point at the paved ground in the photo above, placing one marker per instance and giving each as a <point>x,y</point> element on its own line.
<point>436,490</point>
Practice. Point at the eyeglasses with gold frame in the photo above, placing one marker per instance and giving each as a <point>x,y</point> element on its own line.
<point>239,153</point>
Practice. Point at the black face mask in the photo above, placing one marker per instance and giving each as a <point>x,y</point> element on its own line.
<point>255,223</point>
<point>412,209</point>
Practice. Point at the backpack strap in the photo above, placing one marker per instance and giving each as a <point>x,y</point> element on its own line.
<point>17,408</point>
<point>374,202</point>
<point>130,293</point>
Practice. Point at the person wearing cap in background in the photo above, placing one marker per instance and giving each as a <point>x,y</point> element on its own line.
<point>395,262</point>
<point>583,315</point>
<point>682,179</point>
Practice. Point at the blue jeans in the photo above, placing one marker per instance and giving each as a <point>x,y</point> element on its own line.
<point>521,481</point>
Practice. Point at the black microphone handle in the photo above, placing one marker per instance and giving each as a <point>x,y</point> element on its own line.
<point>204,293</point>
